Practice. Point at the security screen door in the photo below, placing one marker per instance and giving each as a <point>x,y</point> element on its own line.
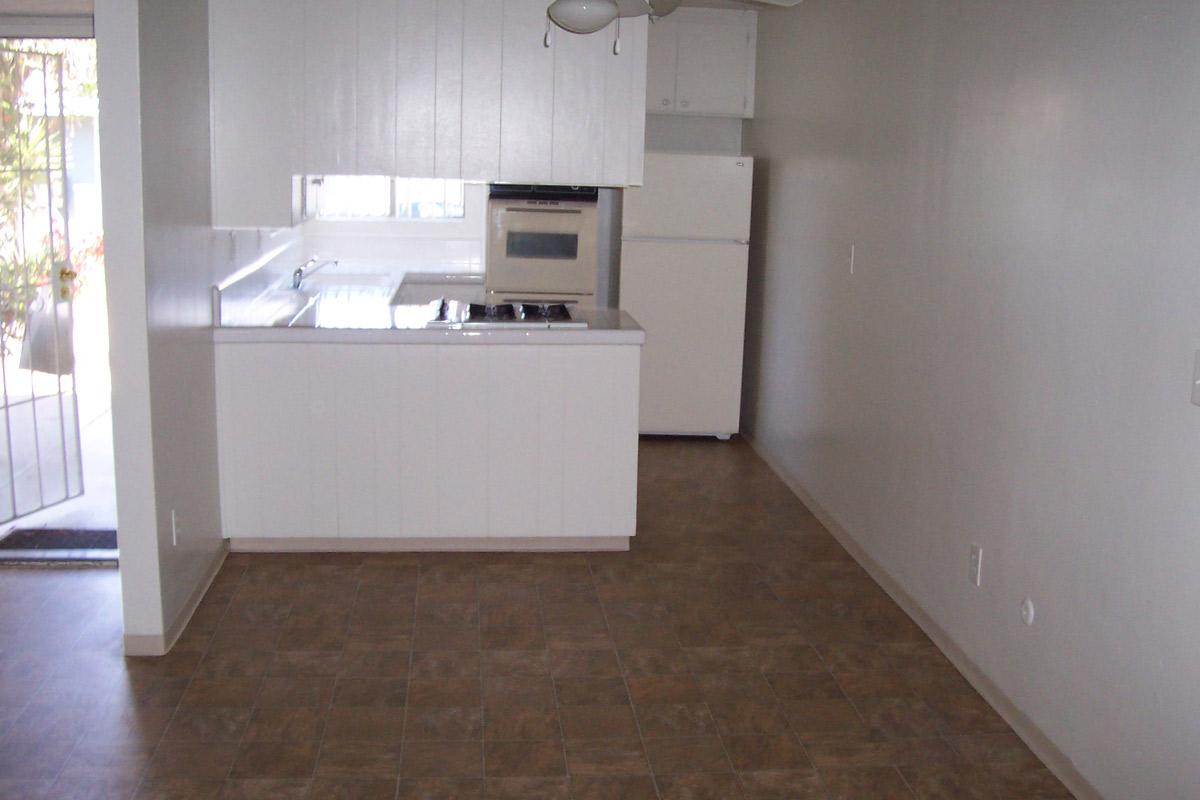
<point>40,456</point>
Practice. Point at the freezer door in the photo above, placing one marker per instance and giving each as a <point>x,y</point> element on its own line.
<point>691,299</point>
<point>690,197</point>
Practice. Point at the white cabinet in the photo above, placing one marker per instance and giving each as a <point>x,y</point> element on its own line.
<point>385,442</point>
<point>471,89</point>
<point>257,110</point>
<point>702,61</point>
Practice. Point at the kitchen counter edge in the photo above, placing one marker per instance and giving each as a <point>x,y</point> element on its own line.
<point>605,327</point>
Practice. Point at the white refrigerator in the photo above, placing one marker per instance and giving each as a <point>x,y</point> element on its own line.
<point>684,249</point>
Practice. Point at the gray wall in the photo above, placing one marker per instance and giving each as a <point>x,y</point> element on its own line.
<point>676,133</point>
<point>1011,359</point>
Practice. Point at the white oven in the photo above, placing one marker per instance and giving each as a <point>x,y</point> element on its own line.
<point>541,243</point>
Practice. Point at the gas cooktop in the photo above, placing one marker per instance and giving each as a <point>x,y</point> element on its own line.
<point>506,315</point>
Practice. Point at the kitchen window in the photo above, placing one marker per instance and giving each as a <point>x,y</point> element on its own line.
<point>368,197</point>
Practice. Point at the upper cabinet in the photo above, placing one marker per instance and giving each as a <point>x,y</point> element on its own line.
<point>702,61</point>
<point>257,111</point>
<point>475,89</point>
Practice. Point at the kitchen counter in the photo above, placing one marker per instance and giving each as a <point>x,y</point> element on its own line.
<point>402,435</point>
<point>605,327</point>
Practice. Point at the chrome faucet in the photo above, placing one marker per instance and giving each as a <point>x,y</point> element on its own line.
<point>307,268</point>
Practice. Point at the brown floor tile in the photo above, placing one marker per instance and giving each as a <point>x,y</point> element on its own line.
<point>265,789</point>
<point>169,788</point>
<point>591,691</point>
<point>629,787</point>
<point>584,663</point>
<point>516,663</point>
<point>370,693</point>
<point>782,785</point>
<point>528,789</point>
<point>209,724</point>
<point>761,753</point>
<point>441,789</point>
<point>663,689</point>
<point>285,725</point>
<point>360,789</point>
<point>872,783</point>
<point>676,719</point>
<point>445,692</point>
<point>734,600</point>
<point>275,759</point>
<point>598,722</point>
<point>876,750</point>
<point>690,754</point>
<point>518,691</point>
<point>446,664</point>
<point>705,786</point>
<point>951,782</point>
<point>441,760</point>
<point>606,757</point>
<point>365,724</point>
<point>198,760</point>
<point>749,719</point>
<point>504,759</point>
<point>358,760</point>
<point>520,723</point>
<point>296,692</point>
<point>444,724</point>
<point>381,663</point>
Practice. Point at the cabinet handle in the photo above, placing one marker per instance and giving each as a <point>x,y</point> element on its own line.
<point>666,102</point>
<point>683,103</point>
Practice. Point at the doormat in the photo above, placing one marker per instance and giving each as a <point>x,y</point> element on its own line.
<point>57,544</point>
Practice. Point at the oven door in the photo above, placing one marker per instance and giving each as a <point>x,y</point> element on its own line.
<point>542,249</point>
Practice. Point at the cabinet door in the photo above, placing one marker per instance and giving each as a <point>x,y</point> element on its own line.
<point>661,65</point>
<point>448,100</point>
<point>625,102</point>
<point>527,93</point>
<point>376,87</point>
<point>483,22</point>
<point>580,68</point>
<point>330,87</point>
<point>257,110</point>
<point>416,88</point>
<point>715,64</point>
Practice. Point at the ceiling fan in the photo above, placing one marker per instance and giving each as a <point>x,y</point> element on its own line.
<point>589,16</point>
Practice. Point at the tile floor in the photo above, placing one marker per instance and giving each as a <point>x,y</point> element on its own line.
<point>736,652</point>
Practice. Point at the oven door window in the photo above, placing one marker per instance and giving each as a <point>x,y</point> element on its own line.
<point>528,244</point>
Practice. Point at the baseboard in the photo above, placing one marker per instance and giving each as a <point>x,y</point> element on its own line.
<point>151,645</point>
<point>1041,745</point>
<point>523,544</point>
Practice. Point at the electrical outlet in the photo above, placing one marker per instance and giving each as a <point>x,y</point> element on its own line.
<point>1196,381</point>
<point>976,565</point>
<point>174,530</point>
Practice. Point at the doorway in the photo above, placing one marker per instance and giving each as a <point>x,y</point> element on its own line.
<point>56,462</point>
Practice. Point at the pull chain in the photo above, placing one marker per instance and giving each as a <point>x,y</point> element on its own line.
<point>617,42</point>
<point>546,39</point>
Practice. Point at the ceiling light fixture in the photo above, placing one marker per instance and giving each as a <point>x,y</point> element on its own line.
<point>583,16</point>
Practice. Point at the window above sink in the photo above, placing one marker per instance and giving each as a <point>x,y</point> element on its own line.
<point>381,197</point>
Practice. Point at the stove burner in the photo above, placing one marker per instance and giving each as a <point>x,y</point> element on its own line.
<point>550,312</point>
<point>488,312</point>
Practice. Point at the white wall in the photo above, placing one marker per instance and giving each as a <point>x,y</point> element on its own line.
<point>678,133</point>
<point>124,266</point>
<point>161,258</point>
<point>1011,359</point>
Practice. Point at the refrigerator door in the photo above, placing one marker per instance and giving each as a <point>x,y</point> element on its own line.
<point>691,299</point>
<point>691,197</point>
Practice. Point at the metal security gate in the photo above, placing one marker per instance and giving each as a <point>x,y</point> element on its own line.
<point>40,454</point>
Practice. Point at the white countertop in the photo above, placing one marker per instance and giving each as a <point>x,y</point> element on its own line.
<point>605,327</point>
